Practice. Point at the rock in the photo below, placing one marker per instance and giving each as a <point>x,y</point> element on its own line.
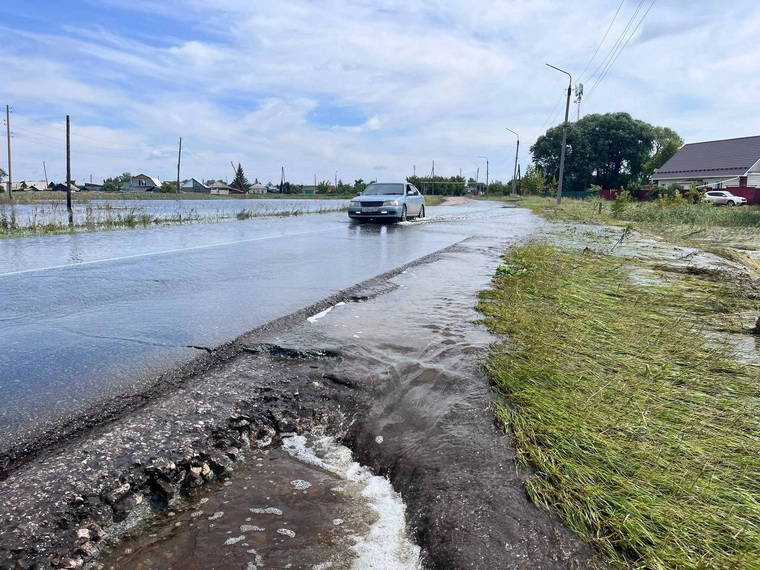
<point>232,453</point>
<point>117,494</point>
<point>192,480</point>
<point>77,499</point>
<point>83,533</point>
<point>86,550</point>
<point>206,472</point>
<point>96,532</point>
<point>122,509</point>
<point>219,463</point>
<point>163,468</point>
<point>70,563</point>
<point>163,490</point>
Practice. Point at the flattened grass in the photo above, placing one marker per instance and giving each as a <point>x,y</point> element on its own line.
<point>644,438</point>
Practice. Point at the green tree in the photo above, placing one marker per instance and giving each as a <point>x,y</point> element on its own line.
<point>666,143</point>
<point>3,175</point>
<point>167,187</point>
<point>609,150</point>
<point>359,185</point>
<point>323,187</point>
<point>240,182</point>
<point>533,181</point>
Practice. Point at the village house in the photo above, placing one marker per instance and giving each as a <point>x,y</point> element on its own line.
<point>724,164</point>
<point>194,185</point>
<point>142,183</point>
<point>257,188</point>
<point>219,188</point>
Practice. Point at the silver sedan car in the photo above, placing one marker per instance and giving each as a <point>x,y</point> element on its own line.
<point>397,201</point>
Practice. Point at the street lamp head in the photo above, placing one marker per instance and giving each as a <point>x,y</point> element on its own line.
<point>561,71</point>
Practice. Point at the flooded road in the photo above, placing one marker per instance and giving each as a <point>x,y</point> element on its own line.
<point>390,371</point>
<point>90,317</point>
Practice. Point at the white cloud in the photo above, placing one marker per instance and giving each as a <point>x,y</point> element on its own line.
<point>436,80</point>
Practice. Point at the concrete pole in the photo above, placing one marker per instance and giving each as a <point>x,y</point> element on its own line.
<point>517,152</point>
<point>8,126</point>
<point>564,134</point>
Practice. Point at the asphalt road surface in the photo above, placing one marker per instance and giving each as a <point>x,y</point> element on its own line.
<point>86,317</point>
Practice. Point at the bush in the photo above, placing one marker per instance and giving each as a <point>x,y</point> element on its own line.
<point>620,203</point>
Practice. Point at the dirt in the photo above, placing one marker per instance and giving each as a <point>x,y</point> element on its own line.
<point>393,371</point>
<point>454,201</point>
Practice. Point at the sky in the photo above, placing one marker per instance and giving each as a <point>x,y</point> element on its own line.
<point>371,89</point>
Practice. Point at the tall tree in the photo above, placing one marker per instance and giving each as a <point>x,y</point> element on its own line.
<point>666,143</point>
<point>609,150</point>
<point>240,182</point>
<point>3,174</point>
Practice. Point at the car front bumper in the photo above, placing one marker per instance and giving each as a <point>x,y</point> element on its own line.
<point>378,212</point>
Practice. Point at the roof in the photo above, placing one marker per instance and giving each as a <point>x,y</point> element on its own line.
<point>189,183</point>
<point>730,157</point>
<point>155,181</point>
<point>218,185</point>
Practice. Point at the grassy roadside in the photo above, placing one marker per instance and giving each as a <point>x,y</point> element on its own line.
<point>680,222</point>
<point>643,437</point>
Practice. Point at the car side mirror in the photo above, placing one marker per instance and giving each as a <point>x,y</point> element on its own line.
<point>358,193</point>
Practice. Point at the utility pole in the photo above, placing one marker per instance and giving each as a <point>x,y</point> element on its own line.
<point>432,174</point>
<point>8,126</point>
<point>517,151</point>
<point>46,180</point>
<point>315,184</point>
<point>336,180</point>
<point>486,172</point>
<point>414,168</point>
<point>179,159</point>
<point>282,181</point>
<point>68,172</point>
<point>564,134</point>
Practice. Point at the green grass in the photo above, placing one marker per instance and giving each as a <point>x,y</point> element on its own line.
<point>642,437</point>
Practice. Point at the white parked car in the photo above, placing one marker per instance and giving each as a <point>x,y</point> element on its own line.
<point>723,197</point>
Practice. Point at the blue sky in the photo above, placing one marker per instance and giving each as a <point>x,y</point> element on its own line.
<point>369,88</point>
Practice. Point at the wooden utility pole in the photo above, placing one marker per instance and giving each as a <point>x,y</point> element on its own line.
<point>8,125</point>
<point>46,180</point>
<point>179,159</point>
<point>68,171</point>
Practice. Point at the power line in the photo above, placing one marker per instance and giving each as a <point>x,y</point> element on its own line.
<point>602,42</point>
<point>612,62</point>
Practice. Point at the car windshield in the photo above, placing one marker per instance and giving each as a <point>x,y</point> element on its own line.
<point>384,190</point>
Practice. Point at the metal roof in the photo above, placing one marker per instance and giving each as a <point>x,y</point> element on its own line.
<point>730,157</point>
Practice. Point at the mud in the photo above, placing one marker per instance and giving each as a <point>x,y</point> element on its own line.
<point>393,373</point>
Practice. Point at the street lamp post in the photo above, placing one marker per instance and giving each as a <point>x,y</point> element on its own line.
<point>486,172</point>
<point>517,151</point>
<point>564,133</point>
<point>477,173</point>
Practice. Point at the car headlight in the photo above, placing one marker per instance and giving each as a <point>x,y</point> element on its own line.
<point>391,203</point>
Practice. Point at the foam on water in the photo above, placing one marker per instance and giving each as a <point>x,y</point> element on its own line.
<point>386,545</point>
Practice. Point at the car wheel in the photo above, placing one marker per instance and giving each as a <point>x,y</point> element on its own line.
<point>403,214</point>
<point>422,213</point>
<point>730,203</point>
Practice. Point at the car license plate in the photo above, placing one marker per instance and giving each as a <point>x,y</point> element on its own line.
<point>370,210</point>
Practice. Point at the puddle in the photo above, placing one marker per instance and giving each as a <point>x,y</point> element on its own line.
<point>306,504</point>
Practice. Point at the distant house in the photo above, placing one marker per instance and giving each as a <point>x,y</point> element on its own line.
<point>194,185</point>
<point>219,188</point>
<point>61,187</point>
<point>93,186</point>
<point>257,188</point>
<point>272,188</point>
<point>715,164</point>
<point>39,185</point>
<point>142,183</point>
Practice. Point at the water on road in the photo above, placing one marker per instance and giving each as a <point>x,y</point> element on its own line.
<point>86,317</point>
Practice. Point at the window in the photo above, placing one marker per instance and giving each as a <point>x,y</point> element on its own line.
<point>142,182</point>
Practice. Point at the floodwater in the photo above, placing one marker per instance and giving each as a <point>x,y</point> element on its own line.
<point>306,504</point>
<point>212,210</point>
<point>412,358</point>
<point>89,317</point>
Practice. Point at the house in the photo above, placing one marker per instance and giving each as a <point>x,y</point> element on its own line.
<point>38,185</point>
<point>194,185</point>
<point>730,163</point>
<point>142,183</point>
<point>257,188</point>
<point>61,187</point>
<point>219,188</point>
<point>272,188</point>
<point>93,186</point>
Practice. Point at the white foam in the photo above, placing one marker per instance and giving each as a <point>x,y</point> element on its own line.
<point>286,532</point>
<point>300,484</point>
<point>251,528</point>
<point>315,318</point>
<point>386,545</point>
<point>233,540</point>
<point>266,511</point>
<point>216,516</point>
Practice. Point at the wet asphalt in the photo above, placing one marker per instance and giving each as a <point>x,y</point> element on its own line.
<point>90,317</point>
